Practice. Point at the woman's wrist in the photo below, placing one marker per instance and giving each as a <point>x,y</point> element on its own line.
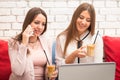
<point>71,58</point>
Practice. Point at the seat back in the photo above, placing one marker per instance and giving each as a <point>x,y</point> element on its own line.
<point>112,52</point>
<point>5,67</point>
<point>53,52</point>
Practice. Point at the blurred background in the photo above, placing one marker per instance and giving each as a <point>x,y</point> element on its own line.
<point>59,12</point>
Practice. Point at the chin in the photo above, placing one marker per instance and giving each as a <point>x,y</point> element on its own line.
<point>37,35</point>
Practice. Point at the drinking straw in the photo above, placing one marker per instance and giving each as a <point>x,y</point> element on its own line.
<point>96,37</point>
<point>46,57</point>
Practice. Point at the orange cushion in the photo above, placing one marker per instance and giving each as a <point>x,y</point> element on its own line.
<point>5,67</point>
<point>112,52</point>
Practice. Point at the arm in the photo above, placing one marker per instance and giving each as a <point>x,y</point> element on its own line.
<point>59,53</point>
<point>18,55</point>
<point>18,52</point>
<point>81,53</point>
<point>61,59</point>
<point>71,57</point>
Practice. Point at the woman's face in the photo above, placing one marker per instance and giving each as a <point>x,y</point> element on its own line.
<point>83,22</point>
<point>38,24</point>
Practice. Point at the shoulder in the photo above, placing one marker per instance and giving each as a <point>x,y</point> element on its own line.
<point>96,35</point>
<point>45,39</point>
<point>61,37</point>
<point>11,41</point>
<point>13,44</point>
<point>97,38</point>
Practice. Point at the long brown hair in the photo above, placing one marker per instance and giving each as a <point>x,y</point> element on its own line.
<point>32,13</point>
<point>71,32</point>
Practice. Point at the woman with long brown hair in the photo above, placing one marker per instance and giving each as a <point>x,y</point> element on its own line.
<point>30,51</point>
<point>71,44</point>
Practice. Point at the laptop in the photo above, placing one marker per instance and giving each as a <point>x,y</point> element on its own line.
<point>87,71</point>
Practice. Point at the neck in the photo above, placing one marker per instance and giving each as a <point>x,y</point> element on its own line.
<point>84,36</point>
<point>33,39</point>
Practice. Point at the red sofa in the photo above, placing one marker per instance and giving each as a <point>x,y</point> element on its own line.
<point>112,52</point>
<point>5,68</point>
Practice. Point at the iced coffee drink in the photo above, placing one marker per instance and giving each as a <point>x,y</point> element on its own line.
<point>51,69</point>
<point>90,49</point>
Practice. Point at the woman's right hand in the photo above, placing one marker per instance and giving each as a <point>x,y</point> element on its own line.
<point>26,34</point>
<point>81,52</point>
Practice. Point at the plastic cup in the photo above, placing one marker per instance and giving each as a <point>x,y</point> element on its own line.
<point>90,49</point>
<point>51,69</point>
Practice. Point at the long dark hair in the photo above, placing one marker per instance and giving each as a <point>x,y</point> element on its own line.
<point>32,13</point>
<point>71,32</point>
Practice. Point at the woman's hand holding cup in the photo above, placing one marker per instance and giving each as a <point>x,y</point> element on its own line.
<point>51,71</point>
<point>81,52</point>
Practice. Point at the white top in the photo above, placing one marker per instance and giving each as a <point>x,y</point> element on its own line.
<point>98,57</point>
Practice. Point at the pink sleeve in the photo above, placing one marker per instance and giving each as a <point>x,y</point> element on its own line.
<point>18,59</point>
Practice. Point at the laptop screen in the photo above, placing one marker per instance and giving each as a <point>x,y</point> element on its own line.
<point>90,71</point>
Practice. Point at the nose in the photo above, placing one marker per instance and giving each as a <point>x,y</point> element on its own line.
<point>84,21</point>
<point>40,26</point>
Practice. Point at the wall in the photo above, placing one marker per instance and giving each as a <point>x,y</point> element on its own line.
<point>12,13</point>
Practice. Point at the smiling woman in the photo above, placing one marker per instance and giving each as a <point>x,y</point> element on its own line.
<point>30,51</point>
<point>71,44</point>
<point>83,22</point>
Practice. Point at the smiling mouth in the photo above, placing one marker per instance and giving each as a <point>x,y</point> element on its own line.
<point>81,26</point>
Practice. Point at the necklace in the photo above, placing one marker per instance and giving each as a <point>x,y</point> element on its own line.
<point>33,39</point>
<point>33,45</point>
<point>83,37</point>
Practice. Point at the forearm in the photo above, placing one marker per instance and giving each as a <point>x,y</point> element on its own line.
<point>70,58</point>
<point>18,60</point>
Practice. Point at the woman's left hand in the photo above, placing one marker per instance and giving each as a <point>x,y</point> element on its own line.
<point>54,75</point>
<point>82,52</point>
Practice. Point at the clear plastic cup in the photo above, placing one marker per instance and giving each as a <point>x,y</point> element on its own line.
<point>90,49</point>
<point>50,69</point>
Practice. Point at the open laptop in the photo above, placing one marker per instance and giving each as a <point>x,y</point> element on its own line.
<point>87,71</point>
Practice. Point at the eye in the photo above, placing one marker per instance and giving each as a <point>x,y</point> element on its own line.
<point>43,24</point>
<point>36,22</point>
<point>81,17</point>
<point>88,20</point>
